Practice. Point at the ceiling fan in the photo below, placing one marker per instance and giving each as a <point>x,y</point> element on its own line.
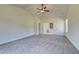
<point>43,9</point>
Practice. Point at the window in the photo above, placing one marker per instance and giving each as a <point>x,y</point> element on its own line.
<point>66,25</point>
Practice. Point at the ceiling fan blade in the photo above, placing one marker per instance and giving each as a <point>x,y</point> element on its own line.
<point>45,7</point>
<point>46,10</point>
<point>39,9</point>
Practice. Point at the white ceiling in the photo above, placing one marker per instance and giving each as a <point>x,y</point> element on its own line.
<point>56,10</point>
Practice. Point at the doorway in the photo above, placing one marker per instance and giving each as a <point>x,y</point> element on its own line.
<point>48,28</point>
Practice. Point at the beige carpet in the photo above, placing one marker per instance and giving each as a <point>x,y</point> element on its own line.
<point>40,44</point>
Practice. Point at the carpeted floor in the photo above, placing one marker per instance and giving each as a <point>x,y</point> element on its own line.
<point>40,44</point>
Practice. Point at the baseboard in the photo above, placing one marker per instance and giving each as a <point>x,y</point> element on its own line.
<point>72,42</point>
<point>17,38</point>
<point>28,35</point>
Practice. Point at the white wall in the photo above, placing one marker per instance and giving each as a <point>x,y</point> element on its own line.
<point>58,24</point>
<point>73,28</point>
<point>15,23</point>
<point>36,25</point>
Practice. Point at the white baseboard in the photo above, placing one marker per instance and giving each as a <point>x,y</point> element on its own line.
<point>28,35</point>
<point>17,38</point>
<point>72,42</point>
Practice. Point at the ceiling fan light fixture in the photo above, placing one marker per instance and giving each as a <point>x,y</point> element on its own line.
<point>43,8</point>
<point>42,11</point>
